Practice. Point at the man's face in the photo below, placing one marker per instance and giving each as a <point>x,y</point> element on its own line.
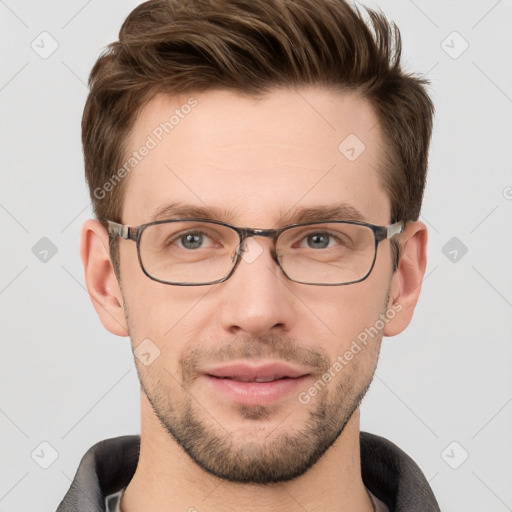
<point>261,161</point>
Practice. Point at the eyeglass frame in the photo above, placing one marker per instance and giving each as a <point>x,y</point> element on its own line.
<point>134,234</point>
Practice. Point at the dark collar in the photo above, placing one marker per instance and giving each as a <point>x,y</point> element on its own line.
<point>387,471</point>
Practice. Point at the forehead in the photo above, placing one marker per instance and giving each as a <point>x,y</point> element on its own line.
<point>256,159</point>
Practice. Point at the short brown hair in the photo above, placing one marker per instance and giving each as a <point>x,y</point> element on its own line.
<point>251,47</point>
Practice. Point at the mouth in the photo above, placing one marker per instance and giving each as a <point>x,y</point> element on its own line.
<point>256,384</point>
<point>257,379</point>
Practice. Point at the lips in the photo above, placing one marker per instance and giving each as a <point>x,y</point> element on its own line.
<point>255,384</point>
<point>262,373</point>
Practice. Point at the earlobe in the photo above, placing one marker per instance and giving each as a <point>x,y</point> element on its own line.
<point>100,278</point>
<point>407,280</point>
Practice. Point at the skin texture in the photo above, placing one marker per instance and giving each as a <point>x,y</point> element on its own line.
<point>259,161</point>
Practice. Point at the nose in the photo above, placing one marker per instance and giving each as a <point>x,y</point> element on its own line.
<point>258,298</point>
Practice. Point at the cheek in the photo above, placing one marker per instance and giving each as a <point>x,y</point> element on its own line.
<point>337,316</point>
<point>151,313</point>
<point>163,318</point>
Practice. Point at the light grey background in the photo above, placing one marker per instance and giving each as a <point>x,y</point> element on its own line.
<point>68,382</point>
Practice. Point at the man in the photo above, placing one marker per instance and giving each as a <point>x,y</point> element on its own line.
<point>257,170</point>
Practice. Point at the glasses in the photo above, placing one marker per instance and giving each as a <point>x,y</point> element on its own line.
<point>193,252</point>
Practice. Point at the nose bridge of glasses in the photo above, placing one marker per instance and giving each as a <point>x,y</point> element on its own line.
<point>246,233</point>
<point>266,233</point>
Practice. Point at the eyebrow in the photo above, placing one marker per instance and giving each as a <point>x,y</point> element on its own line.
<point>296,215</point>
<point>189,211</point>
<point>339,211</point>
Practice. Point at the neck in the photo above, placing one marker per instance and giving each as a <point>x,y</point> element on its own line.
<point>168,479</point>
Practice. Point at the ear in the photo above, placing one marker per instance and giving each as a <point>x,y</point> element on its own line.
<point>406,281</point>
<point>100,278</point>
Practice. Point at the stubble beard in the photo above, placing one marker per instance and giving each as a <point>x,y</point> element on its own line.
<point>280,455</point>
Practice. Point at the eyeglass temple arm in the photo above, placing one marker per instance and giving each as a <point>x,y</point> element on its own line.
<point>394,229</point>
<point>119,230</point>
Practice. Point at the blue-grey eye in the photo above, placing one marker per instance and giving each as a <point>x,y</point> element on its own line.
<point>192,240</point>
<point>318,240</point>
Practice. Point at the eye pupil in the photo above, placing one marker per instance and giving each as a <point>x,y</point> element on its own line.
<point>318,241</point>
<point>192,240</point>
